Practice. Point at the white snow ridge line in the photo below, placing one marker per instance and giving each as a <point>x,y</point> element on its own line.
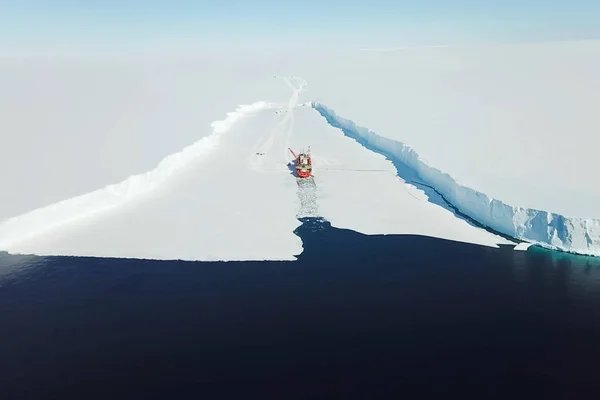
<point>542,228</point>
<point>42,220</point>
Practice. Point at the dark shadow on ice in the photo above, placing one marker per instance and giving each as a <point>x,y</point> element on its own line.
<point>410,176</point>
<point>292,167</point>
<point>437,198</point>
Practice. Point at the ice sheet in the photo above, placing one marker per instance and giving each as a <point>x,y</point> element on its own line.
<point>514,123</point>
<point>232,196</point>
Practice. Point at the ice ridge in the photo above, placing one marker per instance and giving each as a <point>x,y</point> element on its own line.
<point>538,227</point>
<point>41,220</point>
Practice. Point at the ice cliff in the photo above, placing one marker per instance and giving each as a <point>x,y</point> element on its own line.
<point>542,228</point>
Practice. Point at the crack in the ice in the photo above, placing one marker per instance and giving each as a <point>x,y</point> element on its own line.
<point>474,222</point>
<point>517,224</point>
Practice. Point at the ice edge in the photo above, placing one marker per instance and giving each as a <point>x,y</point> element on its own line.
<point>42,220</point>
<point>537,227</point>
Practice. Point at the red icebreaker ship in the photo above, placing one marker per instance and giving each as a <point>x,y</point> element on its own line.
<point>303,163</point>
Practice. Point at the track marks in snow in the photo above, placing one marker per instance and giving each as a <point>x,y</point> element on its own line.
<point>270,154</point>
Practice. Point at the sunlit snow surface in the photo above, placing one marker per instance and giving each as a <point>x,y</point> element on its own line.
<point>213,208</point>
<point>514,126</point>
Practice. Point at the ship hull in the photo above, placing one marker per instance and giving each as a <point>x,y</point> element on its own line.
<point>303,174</point>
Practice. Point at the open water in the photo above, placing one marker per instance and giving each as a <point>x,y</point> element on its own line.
<point>355,317</point>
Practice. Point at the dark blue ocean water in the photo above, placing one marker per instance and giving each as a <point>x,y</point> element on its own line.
<point>356,317</point>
